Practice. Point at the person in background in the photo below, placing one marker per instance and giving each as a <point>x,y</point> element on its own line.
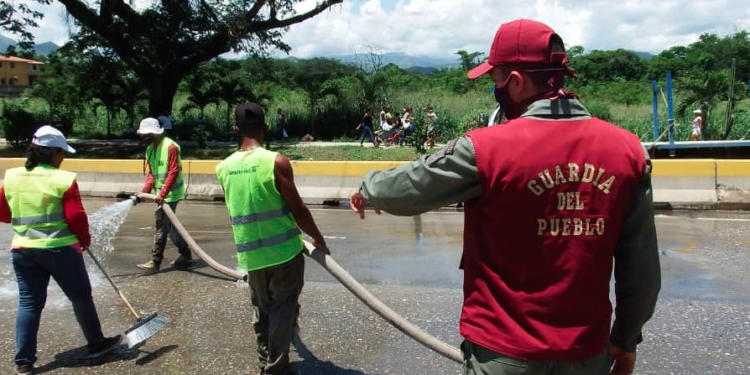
<point>697,125</point>
<point>267,215</point>
<point>431,119</point>
<point>408,123</point>
<point>281,125</point>
<point>164,179</point>
<point>165,121</point>
<point>366,126</point>
<point>389,115</point>
<point>130,132</point>
<point>398,129</point>
<point>43,204</point>
<point>383,117</point>
<point>555,199</point>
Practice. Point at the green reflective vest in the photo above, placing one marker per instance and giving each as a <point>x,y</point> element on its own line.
<point>35,201</point>
<point>159,162</point>
<point>264,230</point>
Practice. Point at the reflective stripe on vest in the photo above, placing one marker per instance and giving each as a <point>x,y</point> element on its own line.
<point>41,219</point>
<point>164,175</point>
<point>158,160</point>
<point>268,242</point>
<point>35,201</point>
<point>41,233</point>
<point>263,228</point>
<point>247,219</point>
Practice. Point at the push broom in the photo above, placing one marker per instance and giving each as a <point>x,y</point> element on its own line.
<point>145,327</point>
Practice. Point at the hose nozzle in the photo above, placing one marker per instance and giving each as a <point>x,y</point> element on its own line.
<point>135,199</point>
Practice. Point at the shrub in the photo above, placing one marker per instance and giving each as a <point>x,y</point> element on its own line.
<point>18,125</point>
<point>600,110</point>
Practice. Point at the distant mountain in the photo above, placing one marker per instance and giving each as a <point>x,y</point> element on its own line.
<point>5,42</point>
<point>421,69</point>
<point>644,55</point>
<point>46,48</point>
<point>42,49</point>
<point>405,61</point>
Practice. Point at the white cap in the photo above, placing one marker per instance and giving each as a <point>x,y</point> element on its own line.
<point>47,136</point>
<point>698,112</point>
<point>150,125</point>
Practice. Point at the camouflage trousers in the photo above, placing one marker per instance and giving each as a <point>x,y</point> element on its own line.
<point>164,230</point>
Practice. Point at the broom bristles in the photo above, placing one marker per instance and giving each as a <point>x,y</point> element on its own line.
<point>145,329</point>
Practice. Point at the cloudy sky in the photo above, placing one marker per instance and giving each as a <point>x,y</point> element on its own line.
<point>438,28</point>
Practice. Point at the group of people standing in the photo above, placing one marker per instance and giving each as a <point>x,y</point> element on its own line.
<point>267,217</point>
<point>396,128</point>
<point>542,239</point>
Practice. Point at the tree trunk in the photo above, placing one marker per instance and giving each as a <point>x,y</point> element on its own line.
<point>707,135</point>
<point>109,123</point>
<point>728,114</point>
<point>161,91</point>
<point>131,114</point>
<point>312,115</point>
<point>229,114</point>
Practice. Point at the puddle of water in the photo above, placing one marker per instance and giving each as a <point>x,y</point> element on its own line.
<point>694,281</point>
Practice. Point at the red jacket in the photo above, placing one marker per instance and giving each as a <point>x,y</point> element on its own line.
<point>173,171</point>
<point>75,215</point>
<point>539,243</point>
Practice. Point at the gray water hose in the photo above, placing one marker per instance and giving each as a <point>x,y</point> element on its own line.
<point>327,262</point>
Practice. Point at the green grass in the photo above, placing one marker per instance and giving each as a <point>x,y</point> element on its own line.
<point>456,113</point>
<point>350,153</point>
<point>314,153</point>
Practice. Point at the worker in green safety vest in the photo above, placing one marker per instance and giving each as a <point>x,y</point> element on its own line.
<point>164,179</point>
<point>51,231</point>
<point>268,218</point>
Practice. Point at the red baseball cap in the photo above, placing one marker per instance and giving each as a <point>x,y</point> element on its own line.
<point>521,42</point>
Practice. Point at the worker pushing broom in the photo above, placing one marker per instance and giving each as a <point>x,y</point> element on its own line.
<point>43,204</point>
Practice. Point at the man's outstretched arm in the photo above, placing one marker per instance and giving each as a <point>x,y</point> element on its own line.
<point>446,177</point>
<point>284,176</point>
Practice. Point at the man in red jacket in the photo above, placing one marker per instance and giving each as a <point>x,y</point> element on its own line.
<point>553,196</point>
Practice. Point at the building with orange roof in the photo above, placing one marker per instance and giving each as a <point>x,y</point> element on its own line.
<point>17,75</point>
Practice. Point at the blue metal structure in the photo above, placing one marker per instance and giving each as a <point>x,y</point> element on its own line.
<point>670,113</point>
<point>696,145</point>
<point>655,88</point>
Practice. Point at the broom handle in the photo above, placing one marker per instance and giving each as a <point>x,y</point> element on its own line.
<point>122,296</point>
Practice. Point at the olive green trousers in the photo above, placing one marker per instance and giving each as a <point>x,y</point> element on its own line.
<point>479,360</point>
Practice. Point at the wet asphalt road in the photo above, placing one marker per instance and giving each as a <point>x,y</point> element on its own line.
<point>702,325</point>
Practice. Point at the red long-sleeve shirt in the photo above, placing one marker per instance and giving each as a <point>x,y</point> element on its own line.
<point>75,215</point>
<point>173,170</point>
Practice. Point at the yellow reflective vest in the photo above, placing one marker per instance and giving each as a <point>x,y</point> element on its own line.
<point>265,232</point>
<point>35,200</point>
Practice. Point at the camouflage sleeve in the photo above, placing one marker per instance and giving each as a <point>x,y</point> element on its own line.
<point>446,177</point>
<point>637,268</point>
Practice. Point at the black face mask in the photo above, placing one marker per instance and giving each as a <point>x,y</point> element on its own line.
<point>510,110</point>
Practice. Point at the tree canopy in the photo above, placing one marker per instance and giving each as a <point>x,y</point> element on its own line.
<point>166,41</point>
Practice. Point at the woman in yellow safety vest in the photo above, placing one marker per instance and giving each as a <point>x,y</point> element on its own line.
<point>51,231</point>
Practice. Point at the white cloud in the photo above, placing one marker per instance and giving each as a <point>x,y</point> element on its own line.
<point>441,27</point>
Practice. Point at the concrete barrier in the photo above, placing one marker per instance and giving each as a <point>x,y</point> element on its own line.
<point>685,183</point>
<point>733,183</point>
<point>681,183</point>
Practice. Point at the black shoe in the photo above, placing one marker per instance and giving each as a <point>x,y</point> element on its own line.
<point>24,369</point>
<point>109,344</point>
<point>182,261</point>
